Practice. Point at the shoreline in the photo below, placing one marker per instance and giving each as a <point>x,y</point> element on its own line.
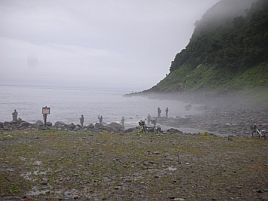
<point>222,121</point>
<point>109,127</point>
<point>218,121</point>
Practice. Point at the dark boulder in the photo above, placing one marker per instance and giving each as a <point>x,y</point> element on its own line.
<point>116,127</point>
<point>7,125</point>
<point>90,126</point>
<point>49,124</point>
<point>1,125</point>
<point>38,124</point>
<point>77,127</point>
<point>60,125</point>
<point>131,130</point>
<point>71,126</point>
<point>98,126</point>
<point>173,130</point>
<point>24,124</point>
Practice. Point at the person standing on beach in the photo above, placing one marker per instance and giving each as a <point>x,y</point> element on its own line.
<point>100,119</point>
<point>149,118</point>
<point>167,112</point>
<point>123,122</point>
<point>15,116</point>
<point>159,112</point>
<point>82,120</point>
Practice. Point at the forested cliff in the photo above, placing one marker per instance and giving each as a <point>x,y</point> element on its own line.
<point>228,50</point>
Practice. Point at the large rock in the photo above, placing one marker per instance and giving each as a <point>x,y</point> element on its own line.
<point>71,126</point>
<point>116,127</point>
<point>24,124</point>
<point>98,126</point>
<point>60,124</point>
<point>13,125</point>
<point>173,130</point>
<point>131,130</point>
<point>90,126</point>
<point>1,125</point>
<point>7,125</point>
<point>49,124</point>
<point>77,127</point>
<point>39,123</point>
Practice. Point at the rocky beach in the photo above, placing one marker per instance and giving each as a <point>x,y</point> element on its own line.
<point>37,165</point>
<point>63,161</point>
<point>221,121</point>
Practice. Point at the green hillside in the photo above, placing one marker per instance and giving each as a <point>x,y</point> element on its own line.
<point>225,52</point>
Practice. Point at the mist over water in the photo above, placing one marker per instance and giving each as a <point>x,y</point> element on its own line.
<point>67,104</point>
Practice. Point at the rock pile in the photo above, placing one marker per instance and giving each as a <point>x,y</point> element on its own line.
<point>22,125</point>
<point>59,125</point>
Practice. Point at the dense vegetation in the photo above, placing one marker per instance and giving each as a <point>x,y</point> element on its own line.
<point>226,53</point>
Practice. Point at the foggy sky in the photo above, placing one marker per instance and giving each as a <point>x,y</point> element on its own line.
<point>95,43</point>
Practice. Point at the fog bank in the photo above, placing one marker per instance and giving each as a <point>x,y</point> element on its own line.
<point>93,43</point>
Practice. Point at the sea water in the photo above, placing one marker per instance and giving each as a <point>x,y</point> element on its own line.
<point>69,103</point>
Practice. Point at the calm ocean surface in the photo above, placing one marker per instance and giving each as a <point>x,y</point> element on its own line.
<point>67,104</point>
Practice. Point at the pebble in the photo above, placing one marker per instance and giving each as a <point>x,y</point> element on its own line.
<point>128,180</point>
<point>25,198</point>
<point>175,198</point>
<point>117,187</point>
<point>44,183</point>
<point>171,169</point>
<point>37,163</point>
<point>260,191</point>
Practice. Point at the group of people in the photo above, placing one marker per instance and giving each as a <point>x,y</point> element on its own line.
<point>150,120</point>
<point>146,128</point>
<point>159,112</point>
<point>100,118</point>
<point>153,121</point>
<point>82,120</point>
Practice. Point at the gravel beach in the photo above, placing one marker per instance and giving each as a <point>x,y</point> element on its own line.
<point>68,165</point>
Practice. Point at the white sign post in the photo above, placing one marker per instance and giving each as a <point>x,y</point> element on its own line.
<point>45,112</point>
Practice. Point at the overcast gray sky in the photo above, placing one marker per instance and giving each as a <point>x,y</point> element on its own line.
<point>96,43</point>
